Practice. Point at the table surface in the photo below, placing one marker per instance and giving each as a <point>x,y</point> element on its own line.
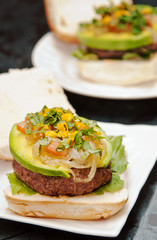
<point>22,24</point>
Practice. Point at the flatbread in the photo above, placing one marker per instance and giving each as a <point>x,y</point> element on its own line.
<point>22,92</point>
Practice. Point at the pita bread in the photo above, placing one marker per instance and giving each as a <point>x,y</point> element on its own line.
<point>22,92</point>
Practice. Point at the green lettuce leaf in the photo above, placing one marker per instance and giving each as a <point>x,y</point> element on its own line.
<point>18,186</point>
<point>118,160</point>
<point>80,54</point>
<point>130,55</point>
<point>115,184</point>
<point>118,165</point>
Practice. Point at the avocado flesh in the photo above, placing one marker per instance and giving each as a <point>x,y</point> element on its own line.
<point>22,153</point>
<point>115,41</point>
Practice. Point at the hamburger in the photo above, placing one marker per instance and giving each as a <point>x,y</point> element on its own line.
<point>119,47</point>
<point>65,166</point>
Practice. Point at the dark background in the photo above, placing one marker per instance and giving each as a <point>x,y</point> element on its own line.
<point>22,24</point>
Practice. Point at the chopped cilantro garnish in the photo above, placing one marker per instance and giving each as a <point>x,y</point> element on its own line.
<point>92,151</point>
<point>95,151</point>
<point>78,140</point>
<point>44,141</point>
<point>63,145</point>
<point>86,145</point>
<point>78,137</point>
<point>97,23</point>
<point>52,117</point>
<point>44,108</point>
<point>125,17</point>
<point>28,131</point>
<point>35,118</point>
<point>136,19</point>
<point>103,10</point>
<point>84,24</point>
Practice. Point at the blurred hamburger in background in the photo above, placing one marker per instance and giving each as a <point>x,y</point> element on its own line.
<point>119,46</point>
<point>64,17</point>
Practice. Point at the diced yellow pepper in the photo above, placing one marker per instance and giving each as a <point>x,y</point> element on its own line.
<point>120,13</point>
<point>98,133</point>
<point>58,110</point>
<point>63,134</point>
<point>39,125</point>
<point>62,126</point>
<point>106,19</point>
<point>46,127</point>
<point>67,117</point>
<point>45,112</point>
<point>72,137</point>
<point>73,134</point>
<point>80,125</point>
<point>52,134</point>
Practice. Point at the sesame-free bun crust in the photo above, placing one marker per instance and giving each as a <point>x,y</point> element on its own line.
<point>119,72</point>
<point>86,207</point>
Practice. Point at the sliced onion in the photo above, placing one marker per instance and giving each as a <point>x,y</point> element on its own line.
<point>53,161</point>
<point>74,164</point>
<point>74,154</point>
<point>73,160</point>
<point>93,169</point>
<point>91,173</point>
<point>36,150</point>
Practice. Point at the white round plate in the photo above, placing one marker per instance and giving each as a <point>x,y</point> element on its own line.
<point>51,53</point>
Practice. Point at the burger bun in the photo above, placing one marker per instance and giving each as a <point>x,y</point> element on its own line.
<point>119,72</point>
<point>86,207</point>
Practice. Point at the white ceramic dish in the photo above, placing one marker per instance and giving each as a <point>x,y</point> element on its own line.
<point>55,55</point>
<point>140,142</point>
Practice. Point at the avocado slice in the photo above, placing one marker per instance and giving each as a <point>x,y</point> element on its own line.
<point>103,162</point>
<point>114,41</point>
<point>22,153</point>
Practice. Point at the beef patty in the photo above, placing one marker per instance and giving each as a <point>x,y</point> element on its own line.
<point>114,54</point>
<point>54,186</point>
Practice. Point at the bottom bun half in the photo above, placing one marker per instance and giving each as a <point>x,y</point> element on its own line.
<point>86,207</point>
<point>119,72</point>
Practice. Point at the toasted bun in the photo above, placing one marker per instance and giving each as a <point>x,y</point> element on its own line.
<point>86,207</point>
<point>119,72</point>
<point>64,17</point>
<point>23,91</point>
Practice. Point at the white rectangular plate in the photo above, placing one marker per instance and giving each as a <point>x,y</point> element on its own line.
<point>140,142</point>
